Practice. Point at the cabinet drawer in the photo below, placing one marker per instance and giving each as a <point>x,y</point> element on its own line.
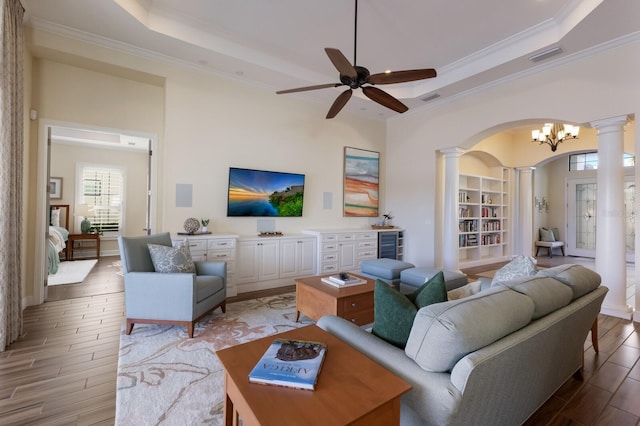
<point>367,254</point>
<point>329,257</point>
<point>195,245</point>
<point>220,254</point>
<point>222,243</point>
<point>368,236</point>
<point>330,237</point>
<point>330,247</point>
<point>358,303</point>
<point>347,237</point>
<point>367,244</point>
<point>360,318</point>
<point>328,268</point>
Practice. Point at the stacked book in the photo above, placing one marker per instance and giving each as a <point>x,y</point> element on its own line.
<point>290,363</point>
<point>343,280</point>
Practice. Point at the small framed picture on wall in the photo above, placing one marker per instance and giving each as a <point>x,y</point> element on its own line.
<point>55,188</point>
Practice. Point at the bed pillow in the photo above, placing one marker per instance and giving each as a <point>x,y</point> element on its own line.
<point>55,217</point>
<point>393,312</point>
<point>171,259</point>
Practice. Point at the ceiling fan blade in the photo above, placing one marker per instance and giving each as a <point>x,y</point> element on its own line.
<point>340,102</point>
<point>341,63</point>
<point>302,89</point>
<point>384,99</point>
<point>402,76</point>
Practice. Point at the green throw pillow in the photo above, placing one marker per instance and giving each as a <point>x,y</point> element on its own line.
<point>547,235</point>
<point>433,291</point>
<point>393,312</point>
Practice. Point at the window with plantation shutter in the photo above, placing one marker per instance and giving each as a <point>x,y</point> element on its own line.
<point>102,187</point>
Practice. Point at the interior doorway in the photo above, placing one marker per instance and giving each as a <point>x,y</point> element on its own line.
<point>104,143</point>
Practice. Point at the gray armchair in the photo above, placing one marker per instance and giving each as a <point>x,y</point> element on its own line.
<point>168,298</point>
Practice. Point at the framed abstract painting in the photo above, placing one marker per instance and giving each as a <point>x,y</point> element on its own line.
<point>361,182</point>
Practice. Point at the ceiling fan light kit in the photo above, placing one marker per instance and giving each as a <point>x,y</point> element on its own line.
<point>358,77</point>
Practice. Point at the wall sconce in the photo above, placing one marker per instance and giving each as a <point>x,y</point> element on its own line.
<point>542,204</point>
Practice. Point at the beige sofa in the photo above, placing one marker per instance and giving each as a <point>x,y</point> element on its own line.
<point>492,358</point>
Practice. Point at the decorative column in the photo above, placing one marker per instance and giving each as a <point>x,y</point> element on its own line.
<point>451,186</point>
<point>610,229</point>
<point>524,216</point>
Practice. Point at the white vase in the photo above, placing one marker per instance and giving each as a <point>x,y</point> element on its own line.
<point>204,229</point>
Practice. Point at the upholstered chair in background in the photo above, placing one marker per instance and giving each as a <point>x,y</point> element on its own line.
<point>162,285</point>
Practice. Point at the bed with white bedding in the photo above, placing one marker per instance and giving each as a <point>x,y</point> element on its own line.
<point>58,235</point>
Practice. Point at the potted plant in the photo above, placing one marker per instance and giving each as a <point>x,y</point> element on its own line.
<point>384,221</point>
<point>204,222</point>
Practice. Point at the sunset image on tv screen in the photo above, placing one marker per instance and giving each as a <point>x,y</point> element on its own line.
<point>264,193</point>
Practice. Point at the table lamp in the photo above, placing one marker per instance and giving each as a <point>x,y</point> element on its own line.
<point>84,210</point>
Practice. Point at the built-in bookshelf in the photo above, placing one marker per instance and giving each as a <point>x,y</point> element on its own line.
<point>483,218</point>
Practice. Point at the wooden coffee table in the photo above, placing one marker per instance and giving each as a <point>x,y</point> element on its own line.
<point>351,389</point>
<point>316,299</point>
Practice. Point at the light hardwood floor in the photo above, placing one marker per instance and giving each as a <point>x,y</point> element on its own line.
<point>62,371</point>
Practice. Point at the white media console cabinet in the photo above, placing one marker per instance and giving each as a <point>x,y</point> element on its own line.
<point>259,263</point>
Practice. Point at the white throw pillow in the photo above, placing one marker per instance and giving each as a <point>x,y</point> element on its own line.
<point>464,291</point>
<point>520,266</point>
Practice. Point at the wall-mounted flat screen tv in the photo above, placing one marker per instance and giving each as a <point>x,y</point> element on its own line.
<point>264,193</point>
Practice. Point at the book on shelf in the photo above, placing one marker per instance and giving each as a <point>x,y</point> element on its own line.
<point>341,281</point>
<point>290,363</point>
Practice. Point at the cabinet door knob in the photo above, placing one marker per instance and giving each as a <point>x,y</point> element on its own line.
<point>353,305</point>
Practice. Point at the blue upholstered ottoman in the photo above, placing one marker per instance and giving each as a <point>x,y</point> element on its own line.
<point>387,270</point>
<point>411,279</point>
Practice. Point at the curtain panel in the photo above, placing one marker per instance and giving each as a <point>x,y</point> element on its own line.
<point>11,159</point>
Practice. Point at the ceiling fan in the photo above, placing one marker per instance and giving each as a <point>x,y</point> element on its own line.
<point>356,76</point>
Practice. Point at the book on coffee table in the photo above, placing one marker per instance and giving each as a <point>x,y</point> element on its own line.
<point>337,281</point>
<point>290,363</point>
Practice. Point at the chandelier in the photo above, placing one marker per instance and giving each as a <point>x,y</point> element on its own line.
<point>554,134</point>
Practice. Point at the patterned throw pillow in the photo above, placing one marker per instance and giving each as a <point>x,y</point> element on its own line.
<point>393,312</point>
<point>520,266</point>
<point>170,259</point>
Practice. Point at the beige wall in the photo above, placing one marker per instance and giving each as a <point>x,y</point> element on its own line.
<point>596,87</point>
<point>232,125</point>
<point>205,124</point>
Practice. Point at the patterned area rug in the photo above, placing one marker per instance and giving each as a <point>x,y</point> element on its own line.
<point>166,378</point>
